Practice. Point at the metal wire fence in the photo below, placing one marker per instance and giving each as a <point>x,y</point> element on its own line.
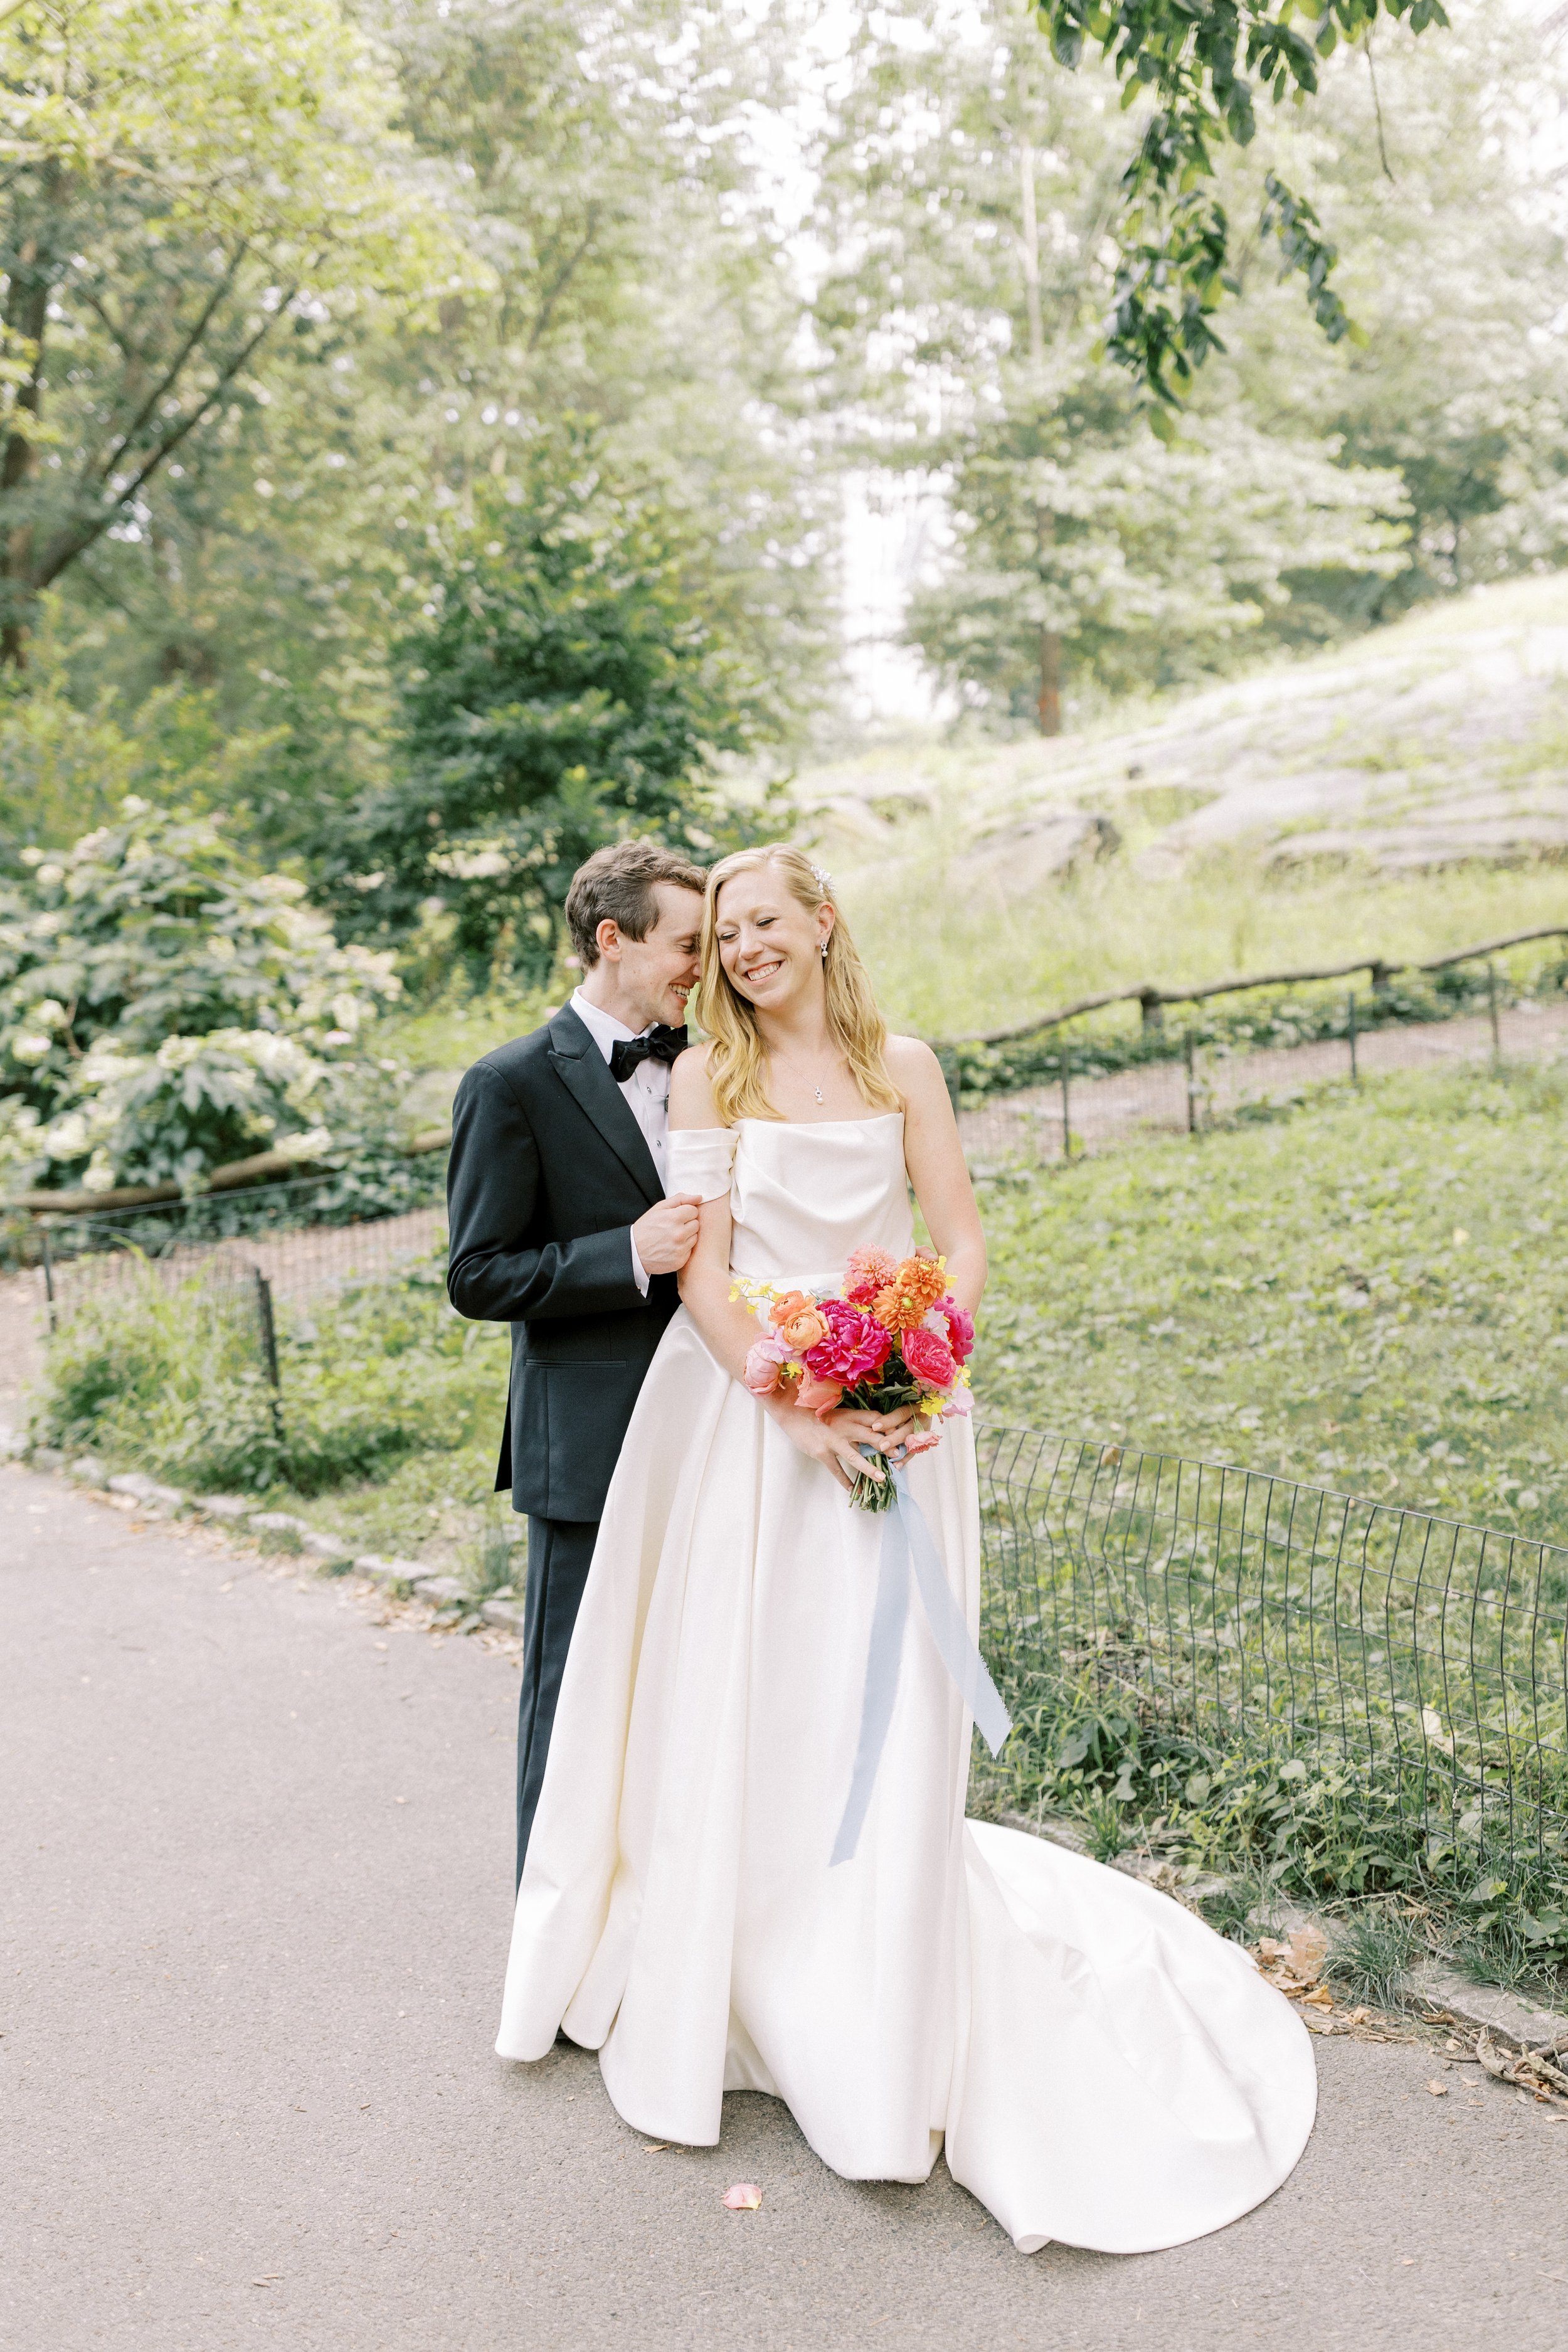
<point>1426,1656</point>
<point>238,1256</point>
<point>270,1236</point>
<point>1042,1125</point>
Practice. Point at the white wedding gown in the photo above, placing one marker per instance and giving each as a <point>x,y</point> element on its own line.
<point>1104,2069</point>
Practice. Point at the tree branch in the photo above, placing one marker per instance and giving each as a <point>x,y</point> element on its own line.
<point>67,545</point>
<point>171,374</point>
<point>564,278</point>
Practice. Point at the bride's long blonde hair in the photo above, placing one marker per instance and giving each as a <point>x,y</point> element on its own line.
<point>736,1054</point>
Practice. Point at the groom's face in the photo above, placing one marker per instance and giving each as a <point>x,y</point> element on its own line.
<point>658,974</point>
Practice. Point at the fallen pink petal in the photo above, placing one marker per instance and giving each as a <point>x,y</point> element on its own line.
<point>744,2197</point>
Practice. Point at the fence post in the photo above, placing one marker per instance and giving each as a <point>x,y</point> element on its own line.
<point>270,1347</point>
<point>1192,1086</point>
<point>1491,1008</point>
<point>49,1279</point>
<point>1350,1031</point>
<point>1067,1130</point>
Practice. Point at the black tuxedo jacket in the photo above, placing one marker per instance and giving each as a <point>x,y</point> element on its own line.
<point>549,1172</point>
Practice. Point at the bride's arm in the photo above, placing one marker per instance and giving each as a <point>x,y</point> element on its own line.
<point>934,1158</point>
<point>728,1326</point>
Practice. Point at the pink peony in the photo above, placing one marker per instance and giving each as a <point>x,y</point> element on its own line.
<point>765,1362</point>
<point>928,1359</point>
<point>866,1272</point>
<point>853,1346</point>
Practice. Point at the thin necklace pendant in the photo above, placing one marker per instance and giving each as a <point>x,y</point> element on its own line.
<point>817,1092</point>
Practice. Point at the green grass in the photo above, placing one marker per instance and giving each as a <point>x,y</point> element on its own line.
<point>1370,1294</point>
<point>950,963</point>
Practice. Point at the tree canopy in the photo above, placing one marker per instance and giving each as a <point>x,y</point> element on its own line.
<point>1203,65</point>
<point>187,182</point>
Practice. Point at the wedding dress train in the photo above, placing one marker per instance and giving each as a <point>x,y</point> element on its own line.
<point>1103,2068</point>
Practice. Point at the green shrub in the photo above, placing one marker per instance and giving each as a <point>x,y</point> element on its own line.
<point>164,1009</point>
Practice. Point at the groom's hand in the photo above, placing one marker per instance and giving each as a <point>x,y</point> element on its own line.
<point>665,1238</point>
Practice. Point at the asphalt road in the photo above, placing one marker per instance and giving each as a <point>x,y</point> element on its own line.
<point>256,1897</point>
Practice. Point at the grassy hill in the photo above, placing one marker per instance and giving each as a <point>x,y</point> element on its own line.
<point>1402,796</point>
<point>1369,1295</point>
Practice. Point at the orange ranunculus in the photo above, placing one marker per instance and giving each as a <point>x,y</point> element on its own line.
<point>805,1326</point>
<point>904,1302</point>
<point>820,1397</point>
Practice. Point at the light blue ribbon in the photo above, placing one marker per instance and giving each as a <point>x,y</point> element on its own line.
<point>906,1537</point>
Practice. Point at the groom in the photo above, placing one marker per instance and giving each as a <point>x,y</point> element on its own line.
<point>560,1227</point>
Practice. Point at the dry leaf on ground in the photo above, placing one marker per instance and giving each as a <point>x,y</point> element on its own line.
<point>1295,1965</point>
<point>1529,2072</point>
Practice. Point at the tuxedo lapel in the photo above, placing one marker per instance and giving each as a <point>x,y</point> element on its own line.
<point>584,1071</point>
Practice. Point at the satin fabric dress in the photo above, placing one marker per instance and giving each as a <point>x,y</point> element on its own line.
<point>1100,2067</point>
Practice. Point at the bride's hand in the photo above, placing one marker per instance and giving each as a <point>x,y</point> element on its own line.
<point>828,1442</point>
<point>887,1432</point>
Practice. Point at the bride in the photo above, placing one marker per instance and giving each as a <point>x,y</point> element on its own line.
<point>1096,2064</point>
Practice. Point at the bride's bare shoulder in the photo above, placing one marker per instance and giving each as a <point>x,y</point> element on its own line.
<point>691,1090</point>
<point>913,1067</point>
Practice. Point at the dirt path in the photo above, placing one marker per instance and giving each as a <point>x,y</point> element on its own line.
<point>257,1904</point>
<point>1104,1113</point>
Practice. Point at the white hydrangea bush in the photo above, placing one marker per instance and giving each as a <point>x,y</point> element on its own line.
<point>166,1010</point>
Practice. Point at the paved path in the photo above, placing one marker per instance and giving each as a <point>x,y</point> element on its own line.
<point>256,1897</point>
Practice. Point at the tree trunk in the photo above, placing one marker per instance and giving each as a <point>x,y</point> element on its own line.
<point>1050,703</point>
<point>26,314</point>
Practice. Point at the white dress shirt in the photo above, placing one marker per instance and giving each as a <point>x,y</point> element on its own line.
<point>646,1093</point>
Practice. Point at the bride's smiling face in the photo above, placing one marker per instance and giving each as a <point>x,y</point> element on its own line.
<point>769,944</point>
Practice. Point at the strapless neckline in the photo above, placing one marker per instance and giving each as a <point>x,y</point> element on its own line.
<point>808,1123</point>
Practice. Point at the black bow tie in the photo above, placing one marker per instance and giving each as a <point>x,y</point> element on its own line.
<point>661,1045</point>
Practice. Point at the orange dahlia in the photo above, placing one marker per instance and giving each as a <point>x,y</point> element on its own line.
<point>904,1302</point>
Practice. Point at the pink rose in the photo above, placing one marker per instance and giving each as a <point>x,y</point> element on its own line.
<point>921,1442</point>
<point>928,1359</point>
<point>853,1346</point>
<point>820,1397</point>
<point>866,1272</point>
<point>765,1362</point>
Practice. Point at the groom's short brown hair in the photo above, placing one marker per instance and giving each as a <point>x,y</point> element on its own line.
<point>615,885</point>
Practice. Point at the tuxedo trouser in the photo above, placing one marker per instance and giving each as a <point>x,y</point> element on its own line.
<point>559,1554</point>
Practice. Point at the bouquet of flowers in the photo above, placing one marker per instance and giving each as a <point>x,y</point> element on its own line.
<point>891,1335</point>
